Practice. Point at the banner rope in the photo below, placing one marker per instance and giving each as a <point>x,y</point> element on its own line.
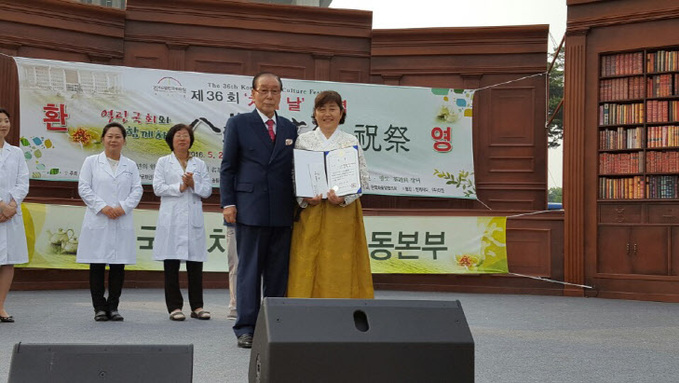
<point>541,278</point>
<point>551,280</point>
<point>509,81</point>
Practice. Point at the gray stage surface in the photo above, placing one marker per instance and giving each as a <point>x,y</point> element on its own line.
<point>518,338</point>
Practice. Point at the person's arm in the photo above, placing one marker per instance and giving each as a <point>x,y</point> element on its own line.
<point>160,186</point>
<point>17,193</point>
<point>202,182</point>
<point>85,191</point>
<point>228,170</point>
<point>20,189</point>
<point>136,191</point>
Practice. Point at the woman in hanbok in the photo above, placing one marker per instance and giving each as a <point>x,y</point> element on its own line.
<point>329,252</point>
<point>13,190</point>
<point>110,186</point>
<point>181,182</point>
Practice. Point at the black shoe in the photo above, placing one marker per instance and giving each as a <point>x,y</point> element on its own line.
<point>115,316</point>
<point>7,319</point>
<point>100,316</point>
<point>245,341</point>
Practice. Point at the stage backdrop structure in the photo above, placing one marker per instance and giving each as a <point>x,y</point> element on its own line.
<point>309,43</point>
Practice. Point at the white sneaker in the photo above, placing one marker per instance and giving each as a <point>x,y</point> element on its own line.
<point>233,314</point>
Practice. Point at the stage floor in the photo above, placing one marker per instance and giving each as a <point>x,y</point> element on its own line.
<point>518,338</point>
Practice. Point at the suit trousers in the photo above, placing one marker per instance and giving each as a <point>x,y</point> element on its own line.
<point>173,295</point>
<point>263,261</point>
<point>232,259</point>
<point>116,277</point>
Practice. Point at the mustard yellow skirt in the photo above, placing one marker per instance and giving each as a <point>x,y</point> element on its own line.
<point>329,254</point>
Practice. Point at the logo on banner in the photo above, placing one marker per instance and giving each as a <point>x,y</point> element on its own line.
<point>170,87</point>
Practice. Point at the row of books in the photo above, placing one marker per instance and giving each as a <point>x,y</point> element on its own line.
<point>638,187</point>
<point>613,114</point>
<point>621,138</point>
<point>662,162</point>
<point>621,188</point>
<point>661,187</point>
<point>661,85</point>
<point>662,61</point>
<point>662,111</point>
<point>621,88</point>
<point>622,64</point>
<point>621,163</point>
<point>662,136</point>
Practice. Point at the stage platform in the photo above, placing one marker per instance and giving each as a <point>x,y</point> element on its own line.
<point>518,338</point>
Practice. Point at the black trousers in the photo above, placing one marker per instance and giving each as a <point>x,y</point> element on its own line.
<point>173,296</point>
<point>116,277</point>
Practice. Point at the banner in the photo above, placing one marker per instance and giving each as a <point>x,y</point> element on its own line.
<point>403,244</point>
<point>417,141</point>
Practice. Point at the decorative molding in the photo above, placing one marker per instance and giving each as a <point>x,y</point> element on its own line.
<point>574,154</point>
<point>607,19</point>
<point>456,70</point>
<point>254,16</point>
<point>222,42</point>
<point>444,41</point>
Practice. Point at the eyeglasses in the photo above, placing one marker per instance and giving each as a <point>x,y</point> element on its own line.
<point>273,92</point>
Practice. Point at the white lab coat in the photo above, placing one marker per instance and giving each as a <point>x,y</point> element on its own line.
<point>180,232</point>
<point>105,240</point>
<point>13,185</point>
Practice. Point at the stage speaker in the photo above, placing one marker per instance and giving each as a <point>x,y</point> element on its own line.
<point>57,363</point>
<point>352,340</point>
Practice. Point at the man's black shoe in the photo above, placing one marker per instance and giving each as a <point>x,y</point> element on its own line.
<point>245,341</point>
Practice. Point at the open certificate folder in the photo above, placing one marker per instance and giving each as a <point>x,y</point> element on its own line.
<point>318,172</point>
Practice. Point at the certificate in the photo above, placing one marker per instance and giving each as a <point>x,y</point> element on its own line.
<point>318,172</point>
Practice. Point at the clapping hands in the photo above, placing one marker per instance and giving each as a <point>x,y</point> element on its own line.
<point>187,181</point>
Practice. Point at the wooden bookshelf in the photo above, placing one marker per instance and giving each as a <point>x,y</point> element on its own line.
<point>639,124</point>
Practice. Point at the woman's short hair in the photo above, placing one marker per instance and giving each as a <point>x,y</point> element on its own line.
<point>114,125</point>
<point>3,110</point>
<point>173,130</point>
<point>325,97</point>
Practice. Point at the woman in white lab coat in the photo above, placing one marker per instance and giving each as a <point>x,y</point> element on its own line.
<point>13,190</point>
<point>110,186</point>
<point>181,181</point>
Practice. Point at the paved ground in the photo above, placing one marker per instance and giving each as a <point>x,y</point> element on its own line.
<point>518,338</point>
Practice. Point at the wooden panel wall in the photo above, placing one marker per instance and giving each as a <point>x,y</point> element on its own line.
<point>234,37</point>
<point>509,135</point>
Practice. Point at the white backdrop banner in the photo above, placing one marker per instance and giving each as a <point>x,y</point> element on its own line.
<point>417,141</point>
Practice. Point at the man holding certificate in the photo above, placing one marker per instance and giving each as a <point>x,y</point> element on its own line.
<point>329,253</point>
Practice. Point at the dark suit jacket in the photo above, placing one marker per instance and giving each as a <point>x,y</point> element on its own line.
<point>256,174</point>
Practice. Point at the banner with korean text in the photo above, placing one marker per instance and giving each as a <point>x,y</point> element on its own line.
<point>417,141</point>
<point>403,244</point>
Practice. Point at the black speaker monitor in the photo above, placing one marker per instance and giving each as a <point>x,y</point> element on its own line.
<point>73,363</point>
<point>350,340</point>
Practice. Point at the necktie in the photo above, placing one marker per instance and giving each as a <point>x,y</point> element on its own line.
<point>269,126</point>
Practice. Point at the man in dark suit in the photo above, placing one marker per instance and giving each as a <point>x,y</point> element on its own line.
<point>257,194</point>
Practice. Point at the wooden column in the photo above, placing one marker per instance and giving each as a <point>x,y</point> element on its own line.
<point>574,155</point>
<point>177,56</point>
<point>392,79</point>
<point>322,66</point>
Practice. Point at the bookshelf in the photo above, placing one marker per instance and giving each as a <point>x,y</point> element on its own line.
<point>638,167</point>
<point>639,125</point>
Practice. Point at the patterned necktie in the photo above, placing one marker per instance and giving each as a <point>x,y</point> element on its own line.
<point>269,126</point>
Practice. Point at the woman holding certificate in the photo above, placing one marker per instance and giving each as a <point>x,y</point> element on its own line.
<point>329,252</point>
